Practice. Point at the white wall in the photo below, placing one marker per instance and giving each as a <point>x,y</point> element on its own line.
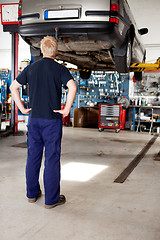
<point>5,49</point>
<point>153,53</point>
<point>147,14</point>
<point>5,46</point>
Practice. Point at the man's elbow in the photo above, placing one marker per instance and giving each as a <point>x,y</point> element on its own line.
<point>15,86</point>
<point>72,87</point>
<point>75,88</point>
<point>11,88</point>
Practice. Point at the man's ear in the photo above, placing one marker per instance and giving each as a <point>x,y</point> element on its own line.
<point>56,53</point>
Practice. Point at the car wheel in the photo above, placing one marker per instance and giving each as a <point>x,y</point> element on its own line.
<point>85,74</point>
<point>36,58</point>
<point>36,53</point>
<point>122,63</point>
<point>138,75</point>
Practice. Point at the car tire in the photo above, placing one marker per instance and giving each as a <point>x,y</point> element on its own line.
<point>36,53</point>
<point>138,75</point>
<point>122,63</point>
<point>85,74</point>
<point>36,58</point>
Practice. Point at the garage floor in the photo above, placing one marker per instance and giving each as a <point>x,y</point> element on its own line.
<point>96,207</point>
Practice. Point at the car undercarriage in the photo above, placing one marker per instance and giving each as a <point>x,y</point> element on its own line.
<point>94,55</point>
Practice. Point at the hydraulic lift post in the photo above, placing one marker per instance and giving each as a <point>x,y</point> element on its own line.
<point>14,70</point>
<point>10,24</point>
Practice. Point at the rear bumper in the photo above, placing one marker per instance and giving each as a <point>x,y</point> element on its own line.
<point>104,31</point>
<point>67,28</point>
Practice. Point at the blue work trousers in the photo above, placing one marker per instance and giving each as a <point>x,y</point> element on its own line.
<point>44,133</point>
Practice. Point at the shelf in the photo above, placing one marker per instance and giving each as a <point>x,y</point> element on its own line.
<point>149,107</point>
<point>146,121</point>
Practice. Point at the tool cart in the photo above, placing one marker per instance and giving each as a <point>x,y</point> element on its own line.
<point>111,116</point>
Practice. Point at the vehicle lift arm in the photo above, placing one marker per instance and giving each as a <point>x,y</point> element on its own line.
<point>135,67</point>
<point>143,67</point>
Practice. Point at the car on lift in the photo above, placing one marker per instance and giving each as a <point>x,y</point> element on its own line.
<point>94,35</point>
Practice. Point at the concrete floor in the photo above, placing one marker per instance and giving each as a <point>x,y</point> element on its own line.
<point>96,208</point>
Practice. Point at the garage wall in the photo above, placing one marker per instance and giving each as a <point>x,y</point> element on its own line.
<point>5,49</point>
<point>146,14</point>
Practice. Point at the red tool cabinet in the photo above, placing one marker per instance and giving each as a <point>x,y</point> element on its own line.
<point>111,116</point>
<point>65,120</point>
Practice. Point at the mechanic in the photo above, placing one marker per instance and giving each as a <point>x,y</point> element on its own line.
<point>45,78</point>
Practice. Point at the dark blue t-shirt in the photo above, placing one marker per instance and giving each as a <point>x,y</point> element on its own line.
<point>45,78</point>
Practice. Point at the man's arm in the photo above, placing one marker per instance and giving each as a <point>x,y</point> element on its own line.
<point>16,96</point>
<point>72,90</point>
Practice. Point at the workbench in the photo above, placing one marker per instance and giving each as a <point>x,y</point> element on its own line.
<point>147,109</point>
<point>86,116</point>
